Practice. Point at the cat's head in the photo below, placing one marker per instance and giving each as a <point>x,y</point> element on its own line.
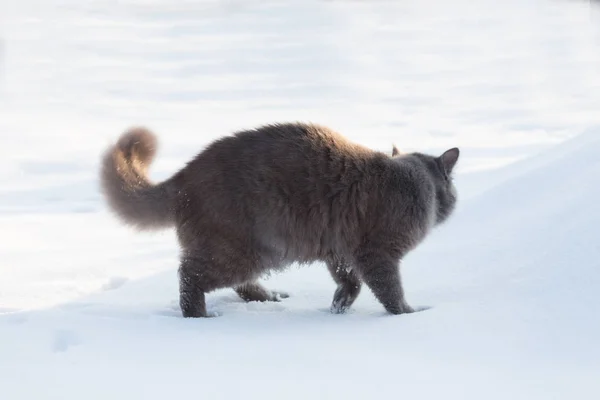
<point>440,169</point>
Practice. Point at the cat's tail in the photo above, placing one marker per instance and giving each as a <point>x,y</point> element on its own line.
<point>126,187</point>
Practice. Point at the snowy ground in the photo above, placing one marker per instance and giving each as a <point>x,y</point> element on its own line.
<point>88,308</point>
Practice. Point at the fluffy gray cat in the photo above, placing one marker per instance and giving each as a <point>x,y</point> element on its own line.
<point>261,199</point>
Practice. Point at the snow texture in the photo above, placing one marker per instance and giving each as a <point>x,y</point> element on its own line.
<point>509,286</point>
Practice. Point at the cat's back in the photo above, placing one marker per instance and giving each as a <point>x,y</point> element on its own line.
<point>278,150</point>
<point>289,139</point>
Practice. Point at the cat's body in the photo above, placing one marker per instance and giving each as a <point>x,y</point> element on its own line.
<point>262,199</point>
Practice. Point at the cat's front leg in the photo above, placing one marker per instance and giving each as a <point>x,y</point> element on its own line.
<point>348,285</point>
<point>381,274</point>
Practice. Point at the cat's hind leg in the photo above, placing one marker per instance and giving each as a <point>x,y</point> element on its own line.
<point>192,289</point>
<point>219,266</point>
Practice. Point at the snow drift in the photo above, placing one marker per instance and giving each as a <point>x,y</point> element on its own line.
<point>511,280</point>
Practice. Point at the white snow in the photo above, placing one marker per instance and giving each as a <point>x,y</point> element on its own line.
<point>89,309</point>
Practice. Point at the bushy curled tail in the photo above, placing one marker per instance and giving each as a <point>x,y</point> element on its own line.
<point>126,187</point>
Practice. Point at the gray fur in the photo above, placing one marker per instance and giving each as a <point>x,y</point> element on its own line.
<point>261,199</point>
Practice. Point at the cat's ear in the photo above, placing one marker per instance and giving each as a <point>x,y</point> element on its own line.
<point>449,159</point>
<point>395,151</point>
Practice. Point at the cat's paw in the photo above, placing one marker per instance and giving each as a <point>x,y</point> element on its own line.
<point>339,307</point>
<point>402,308</point>
<point>278,295</point>
<point>421,308</point>
<point>406,309</point>
<point>344,297</point>
<point>213,314</point>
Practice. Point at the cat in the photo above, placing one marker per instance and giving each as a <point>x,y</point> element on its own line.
<point>261,199</point>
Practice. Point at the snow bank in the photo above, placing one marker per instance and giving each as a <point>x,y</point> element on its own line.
<point>511,280</point>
